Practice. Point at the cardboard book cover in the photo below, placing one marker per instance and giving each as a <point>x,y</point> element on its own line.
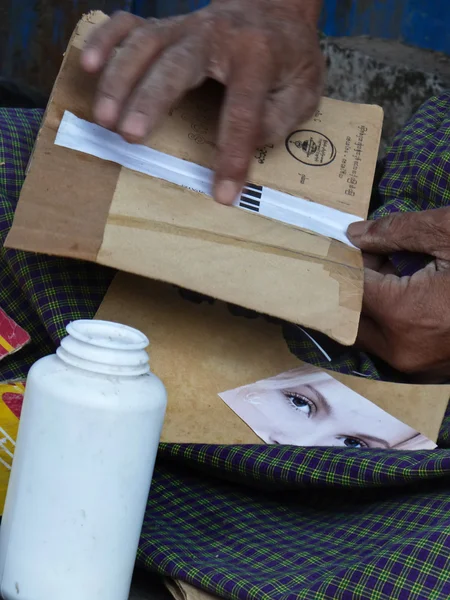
<point>82,202</point>
<point>233,380</point>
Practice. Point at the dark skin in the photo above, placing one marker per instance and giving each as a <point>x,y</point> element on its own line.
<point>406,320</point>
<point>266,53</point>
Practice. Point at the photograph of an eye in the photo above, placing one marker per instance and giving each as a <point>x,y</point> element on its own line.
<point>308,407</point>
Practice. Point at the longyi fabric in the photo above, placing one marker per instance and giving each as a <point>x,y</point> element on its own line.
<point>269,522</point>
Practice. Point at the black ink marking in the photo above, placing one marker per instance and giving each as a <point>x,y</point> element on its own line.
<point>250,200</point>
<point>253,193</point>
<point>252,186</point>
<point>249,206</point>
<point>311,148</point>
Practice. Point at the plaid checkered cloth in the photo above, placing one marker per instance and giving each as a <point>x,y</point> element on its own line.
<point>269,522</point>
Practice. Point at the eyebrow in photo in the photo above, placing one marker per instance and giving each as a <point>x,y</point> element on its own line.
<point>307,406</point>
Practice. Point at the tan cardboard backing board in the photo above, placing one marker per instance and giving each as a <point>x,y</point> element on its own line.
<point>184,591</point>
<point>76,205</point>
<point>200,350</point>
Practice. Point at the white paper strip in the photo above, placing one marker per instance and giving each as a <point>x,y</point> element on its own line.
<point>77,134</point>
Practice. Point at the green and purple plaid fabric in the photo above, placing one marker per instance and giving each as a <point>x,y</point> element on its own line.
<point>41,293</point>
<point>269,522</point>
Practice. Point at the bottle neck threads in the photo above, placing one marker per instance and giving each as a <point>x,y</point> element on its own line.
<point>105,348</point>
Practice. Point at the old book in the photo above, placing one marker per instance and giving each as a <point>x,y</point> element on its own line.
<point>78,205</point>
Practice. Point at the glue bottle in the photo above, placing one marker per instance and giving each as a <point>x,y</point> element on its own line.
<point>88,437</point>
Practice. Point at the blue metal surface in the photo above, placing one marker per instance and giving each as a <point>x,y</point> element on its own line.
<point>423,23</point>
<point>34,34</point>
<point>166,8</point>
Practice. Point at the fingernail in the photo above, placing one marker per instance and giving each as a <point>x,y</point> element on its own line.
<point>106,112</point>
<point>356,231</point>
<point>226,191</point>
<point>91,60</point>
<point>134,127</point>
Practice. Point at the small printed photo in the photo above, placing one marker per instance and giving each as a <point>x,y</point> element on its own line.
<point>308,407</point>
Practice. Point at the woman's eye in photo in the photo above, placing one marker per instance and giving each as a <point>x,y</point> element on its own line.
<point>299,402</point>
<point>352,442</point>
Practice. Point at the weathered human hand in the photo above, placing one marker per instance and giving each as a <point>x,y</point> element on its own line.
<point>265,51</point>
<point>406,320</point>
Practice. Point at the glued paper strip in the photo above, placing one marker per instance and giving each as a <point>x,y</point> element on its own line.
<point>77,134</point>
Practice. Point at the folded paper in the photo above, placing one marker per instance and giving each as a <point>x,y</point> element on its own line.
<point>78,134</point>
<point>12,336</point>
<point>11,399</point>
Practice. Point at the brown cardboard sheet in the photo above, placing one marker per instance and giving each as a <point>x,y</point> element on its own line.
<point>200,350</point>
<point>181,590</point>
<point>65,199</point>
<point>75,205</point>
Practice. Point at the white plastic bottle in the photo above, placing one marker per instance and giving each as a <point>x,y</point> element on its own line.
<point>89,432</point>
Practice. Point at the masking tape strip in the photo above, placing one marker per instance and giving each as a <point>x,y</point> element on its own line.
<point>77,134</point>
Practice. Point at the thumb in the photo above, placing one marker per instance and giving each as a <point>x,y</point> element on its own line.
<point>426,232</point>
